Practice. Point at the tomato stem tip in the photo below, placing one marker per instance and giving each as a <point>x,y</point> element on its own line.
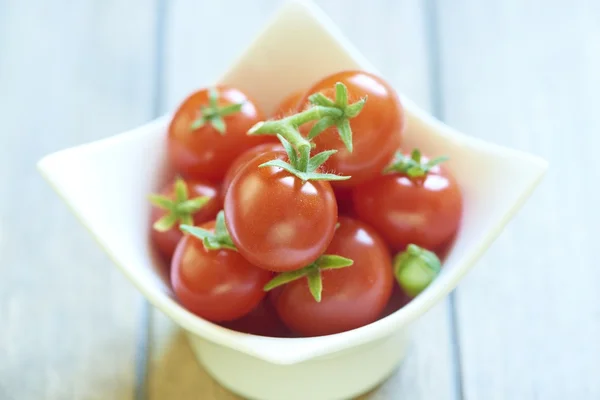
<point>302,165</point>
<point>412,166</point>
<point>341,120</point>
<point>179,209</point>
<point>415,269</point>
<point>219,239</point>
<point>213,113</point>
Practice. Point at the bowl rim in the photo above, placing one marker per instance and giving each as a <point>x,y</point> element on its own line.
<point>277,350</point>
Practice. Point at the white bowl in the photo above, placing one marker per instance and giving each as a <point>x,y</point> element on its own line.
<point>105,183</point>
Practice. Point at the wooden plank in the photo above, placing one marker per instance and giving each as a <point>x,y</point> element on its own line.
<point>174,372</point>
<point>525,74</point>
<point>427,371</point>
<point>70,72</point>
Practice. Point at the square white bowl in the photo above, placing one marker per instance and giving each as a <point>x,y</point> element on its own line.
<point>123,169</point>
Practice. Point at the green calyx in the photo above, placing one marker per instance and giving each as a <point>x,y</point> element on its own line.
<point>415,269</point>
<point>412,166</point>
<point>303,166</point>
<point>181,209</point>
<point>213,113</point>
<point>324,111</point>
<point>339,119</point>
<point>219,239</point>
<point>312,273</point>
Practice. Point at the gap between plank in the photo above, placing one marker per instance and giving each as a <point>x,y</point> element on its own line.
<point>143,352</point>
<point>432,32</point>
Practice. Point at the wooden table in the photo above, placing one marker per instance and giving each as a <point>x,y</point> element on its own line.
<point>525,324</point>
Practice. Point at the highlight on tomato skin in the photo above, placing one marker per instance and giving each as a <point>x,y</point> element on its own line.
<point>352,296</point>
<point>208,131</point>
<point>425,210</point>
<point>277,221</point>
<point>166,240</point>
<point>376,132</point>
<point>217,285</point>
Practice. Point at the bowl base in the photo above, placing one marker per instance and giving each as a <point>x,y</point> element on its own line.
<point>339,376</point>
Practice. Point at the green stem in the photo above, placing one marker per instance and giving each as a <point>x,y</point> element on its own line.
<point>304,159</point>
<point>288,127</point>
<point>326,113</point>
<point>341,95</point>
<point>313,114</point>
<point>302,165</point>
<point>283,128</point>
<point>215,239</point>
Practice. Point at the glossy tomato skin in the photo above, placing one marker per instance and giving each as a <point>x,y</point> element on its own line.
<point>275,220</point>
<point>425,211</point>
<point>288,105</point>
<point>217,285</point>
<point>204,153</point>
<point>376,132</point>
<point>352,297</point>
<point>166,242</point>
<point>244,158</point>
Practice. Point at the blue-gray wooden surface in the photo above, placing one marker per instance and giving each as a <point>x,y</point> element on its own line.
<point>525,324</point>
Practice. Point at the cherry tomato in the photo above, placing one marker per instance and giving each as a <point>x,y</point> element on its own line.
<point>425,211</point>
<point>352,297</point>
<point>217,285</point>
<point>262,320</point>
<point>245,157</point>
<point>277,221</point>
<point>166,241</point>
<point>376,132</point>
<point>288,105</point>
<point>196,146</point>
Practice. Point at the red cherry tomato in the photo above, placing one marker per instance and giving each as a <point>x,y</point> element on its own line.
<point>352,297</point>
<point>204,152</point>
<point>277,221</point>
<point>245,157</point>
<point>376,132</point>
<point>288,105</point>
<point>166,241</point>
<point>262,320</point>
<point>425,211</point>
<point>217,285</point>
